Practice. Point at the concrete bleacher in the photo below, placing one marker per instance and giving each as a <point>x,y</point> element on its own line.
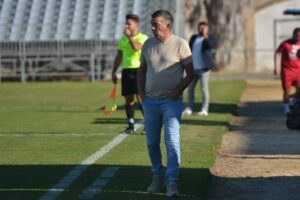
<point>95,14</point>
<point>72,30</point>
<point>30,20</point>
<point>35,21</point>
<point>79,20</point>
<point>63,19</point>
<point>20,19</point>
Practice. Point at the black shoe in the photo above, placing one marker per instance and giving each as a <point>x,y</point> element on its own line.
<point>129,130</point>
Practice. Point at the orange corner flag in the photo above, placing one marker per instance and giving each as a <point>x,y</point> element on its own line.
<point>111,105</point>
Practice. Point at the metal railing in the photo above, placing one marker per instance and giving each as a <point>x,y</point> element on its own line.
<point>28,59</point>
<point>94,59</point>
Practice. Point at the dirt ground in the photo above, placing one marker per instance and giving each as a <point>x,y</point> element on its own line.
<point>259,157</point>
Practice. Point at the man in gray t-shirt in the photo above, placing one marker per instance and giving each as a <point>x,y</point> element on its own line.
<point>164,60</point>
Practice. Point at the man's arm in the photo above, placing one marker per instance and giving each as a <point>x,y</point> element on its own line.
<point>189,71</point>
<point>277,59</point>
<point>142,80</point>
<point>117,63</point>
<point>192,40</point>
<point>135,45</point>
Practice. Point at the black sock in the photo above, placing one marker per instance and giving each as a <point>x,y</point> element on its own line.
<point>130,115</point>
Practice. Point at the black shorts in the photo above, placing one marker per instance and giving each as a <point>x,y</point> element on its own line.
<point>129,82</point>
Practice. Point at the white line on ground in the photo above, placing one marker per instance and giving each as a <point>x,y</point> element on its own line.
<point>79,169</point>
<point>99,183</point>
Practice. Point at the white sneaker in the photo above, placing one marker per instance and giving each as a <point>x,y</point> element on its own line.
<point>157,184</point>
<point>187,111</point>
<point>172,189</point>
<point>203,113</point>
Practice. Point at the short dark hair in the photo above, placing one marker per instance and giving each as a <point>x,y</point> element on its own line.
<point>133,17</point>
<point>295,32</point>
<point>166,15</point>
<point>202,23</point>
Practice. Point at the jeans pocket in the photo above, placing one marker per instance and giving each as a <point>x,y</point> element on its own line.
<point>145,100</point>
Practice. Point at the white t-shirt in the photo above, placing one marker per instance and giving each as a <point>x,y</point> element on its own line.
<point>198,61</point>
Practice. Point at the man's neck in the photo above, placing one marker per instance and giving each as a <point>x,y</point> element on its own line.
<point>166,37</point>
<point>135,33</point>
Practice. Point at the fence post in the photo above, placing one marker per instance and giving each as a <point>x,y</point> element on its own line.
<point>92,67</point>
<point>98,68</point>
<point>23,60</point>
<point>23,75</point>
<point>0,69</point>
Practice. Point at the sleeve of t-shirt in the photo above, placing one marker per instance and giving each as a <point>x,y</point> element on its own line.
<point>185,52</point>
<point>281,47</point>
<point>142,58</point>
<point>142,39</point>
<point>119,44</point>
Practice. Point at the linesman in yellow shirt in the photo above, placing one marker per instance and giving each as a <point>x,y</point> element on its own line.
<point>129,53</point>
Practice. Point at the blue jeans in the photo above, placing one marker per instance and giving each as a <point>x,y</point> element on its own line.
<point>165,113</point>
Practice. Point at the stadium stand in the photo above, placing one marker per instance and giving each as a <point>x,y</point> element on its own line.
<point>60,38</point>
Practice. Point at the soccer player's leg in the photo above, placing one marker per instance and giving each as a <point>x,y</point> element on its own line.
<point>286,80</point>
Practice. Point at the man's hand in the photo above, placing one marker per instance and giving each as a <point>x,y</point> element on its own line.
<point>277,58</point>
<point>205,31</point>
<point>114,78</point>
<point>141,97</point>
<point>174,95</point>
<point>127,32</point>
<point>116,65</point>
<point>275,71</point>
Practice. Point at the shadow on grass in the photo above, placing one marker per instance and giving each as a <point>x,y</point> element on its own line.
<point>29,182</point>
<point>183,121</point>
<point>218,107</point>
<point>110,121</point>
<point>200,122</point>
<point>213,107</point>
<point>122,107</point>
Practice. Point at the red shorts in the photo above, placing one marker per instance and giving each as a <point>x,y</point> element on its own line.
<point>289,78</point>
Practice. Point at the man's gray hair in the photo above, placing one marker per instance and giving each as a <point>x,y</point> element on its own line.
<point>166,15</point>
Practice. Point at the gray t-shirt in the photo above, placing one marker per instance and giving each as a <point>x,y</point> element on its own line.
<point>164,62</point>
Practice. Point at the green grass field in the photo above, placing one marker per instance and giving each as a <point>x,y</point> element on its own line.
<point>47,129</point>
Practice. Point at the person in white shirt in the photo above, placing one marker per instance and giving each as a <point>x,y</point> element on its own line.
<point>201,46</point>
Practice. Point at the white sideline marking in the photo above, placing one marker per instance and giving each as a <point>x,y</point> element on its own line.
<point>99,183</point>
<point>77,170</point>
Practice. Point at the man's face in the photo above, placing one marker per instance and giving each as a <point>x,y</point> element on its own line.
<point>159,27</point>
<point>131,25</point>
<point>202,29</point>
